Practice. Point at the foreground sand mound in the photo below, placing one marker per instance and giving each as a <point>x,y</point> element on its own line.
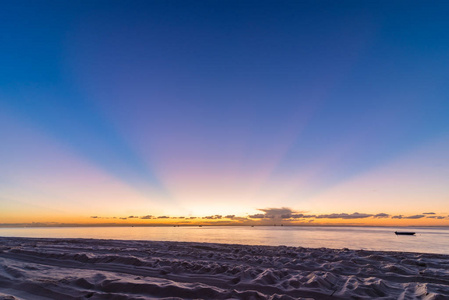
<point>111,269</point>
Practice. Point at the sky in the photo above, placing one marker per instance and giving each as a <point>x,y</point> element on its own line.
<point>224,112</point>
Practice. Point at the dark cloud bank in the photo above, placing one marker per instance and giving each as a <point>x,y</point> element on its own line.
<point>283,213</point>
<point>288,213</point>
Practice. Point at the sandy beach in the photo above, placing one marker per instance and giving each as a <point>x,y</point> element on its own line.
<point>32,268</point>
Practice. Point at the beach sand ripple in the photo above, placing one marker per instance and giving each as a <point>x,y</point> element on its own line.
<point>32,268</point>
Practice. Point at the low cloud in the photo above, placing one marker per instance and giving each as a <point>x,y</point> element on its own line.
<point>257,216</point>
<point>309,216</point>
<point>297,216</point>
<point>98,217</point>
<point>36,224</point>
<point>271,213</point>
<point>215,217</point>
<point>241,219</point>
<point>355,215</point>
<point>287,213</point>
<point>290,216</point>
<point>381,216</point>
<point>436,217</point>
<point>415,217</point>
<point>274,213</point>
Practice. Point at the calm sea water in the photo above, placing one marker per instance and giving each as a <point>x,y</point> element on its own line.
<point>426,240</point>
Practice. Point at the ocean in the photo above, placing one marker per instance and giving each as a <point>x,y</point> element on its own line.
<point>426,240</point>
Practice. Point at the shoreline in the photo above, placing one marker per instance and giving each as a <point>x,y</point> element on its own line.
<point>74,268</point>
<point>426,240</point>
<point>78,240</point>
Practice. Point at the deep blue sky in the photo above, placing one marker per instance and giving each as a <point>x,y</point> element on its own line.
<point>151,91</point>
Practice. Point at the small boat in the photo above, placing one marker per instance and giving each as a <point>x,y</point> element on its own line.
<point>404,233</point>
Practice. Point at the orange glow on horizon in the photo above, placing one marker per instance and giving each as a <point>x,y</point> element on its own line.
<point>67,220</point>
